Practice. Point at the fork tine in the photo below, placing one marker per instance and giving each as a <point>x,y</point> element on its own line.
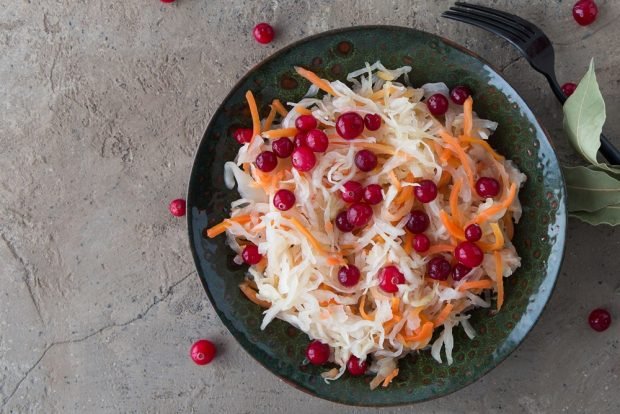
<point>515,19</point>
<point>495,18</point>
<point>487,25</point>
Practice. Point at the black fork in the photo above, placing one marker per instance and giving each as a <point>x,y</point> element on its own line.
<point>533,44</point>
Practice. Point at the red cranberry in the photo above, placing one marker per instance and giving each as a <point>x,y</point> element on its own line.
<point>300,140</point>
<point>426,191</point>
<point>356,367</point>
<point>352,192</point>
<point>437,104</point>
<point>263,33</point>
<point>584,12</point>
<point>365,160</point>
<point>418,222</point>
<point>460,94</point>
<point>459,272</point>
<point>438,268</point>
<point>389,279</point>
<point>599,320</point>
<point>469,254</point>
<point>342,222</point>
<point>284,200</point>
<point>350,125</point>
<point>349,275</point>
<point>569,88</point>
<point>372,121</point>
<point>487,187</point>
<point>359,214</point>
<point>305,123</point>
<point>421,243</point>
<point>167,1</point>
<point>373,194</point>
<point>202,352</point>
<point>177,207</point>
<point>266,161</point>
<point>303,159</point>
<point>317,353</point>
<point>316,140</point>
<point>243,135</point>
<point>250,254</point>
<point>473,232</point>
<point>282,147</point>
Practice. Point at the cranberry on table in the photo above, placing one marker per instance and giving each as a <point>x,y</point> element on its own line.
<point>469,254</point>
<point>437,104</point>
<point>356,367</point>
<point>585,12</point>
<point>599,320</point>
<point>359,214</point>
<point>372,121</point>
<point>263,33</point>
<point>300,140</point>
<point>266,161</point>
<point>282,147</point>
<point>352,192</point>
<point>177,207</point>
<point>284,199</point>
<point>473,232</point>
<point>487,187</point>
<point>460,94</point>
<point>305,123</point>
<point>342,222</point>
<point>349,275</point>
<point>317,353</point>
<point>421,243</point>
<point>350,125</point>
<point>243,135</point>
<point>459,272</point>
<point>303,159</point>
<point>373,194</point>
<point>167,1</point>
<point>250,254</point>
<point>418,222</point>
<point>316,140</point>
<point>438,268</point>
<point>389,279</point>
<point>202,352</point>
<point>425,191</point>
<point>365,160</point>
<point>569,88</point>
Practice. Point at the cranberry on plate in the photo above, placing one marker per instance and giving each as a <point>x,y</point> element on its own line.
<point>438,268</point>
<point>266,161</point>
<point>250,254</point>
<point>437,104</point>
<point>350,125</point>
<point>359,214</point>
<point>316,140</point>
<point>418,222</point>
<point>317,353</point>
<point>459,272</point>
<point>473,232</point>
<point>303,159</point>
<point>487,187</point>
<point>282,147</point>
<point>352,192</point>
<point>373,194</point>
<point>460,94</point>
<point>284,200</point>
<point>300,140</point>
<point>342,222</point>
<point>425,191</point>
<point>365,160</point>
<point>356,367</point>
<point>372,122</point>
<point>469,254</point>
<point>305,123</point>
<point>202,352</point>
<point>349,275</point>
<point>421,243</point>
<point>389,279</point>
<point>243,135</point>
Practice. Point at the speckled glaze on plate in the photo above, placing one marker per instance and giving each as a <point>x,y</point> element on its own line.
<point>539,237</point>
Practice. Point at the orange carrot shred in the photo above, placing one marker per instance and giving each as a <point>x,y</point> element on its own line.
<point>454,201</point>
<point>407,243</point>
<point>443,315</point>
<point>483,144</point>
<point>302,111</point>
<point>484,216</point>
<point>221,227</point>
<point>363,313</point>
<point>476,284</point>
<point>454,230</point>
<point>422,334</point>
<point>279,107</point>
<point>394,180</point>
<point>249,96</point>
<point>308,235</point>
<point>499,240</point>
<point>499,269</point>
<point>314,79</point>
<point>509,225</point>
<point>270,118</point>
<point>251,295</point>
<point>468,117</point>
<point>279,133</point>
<point>453,143</point>
<point>389,378</point>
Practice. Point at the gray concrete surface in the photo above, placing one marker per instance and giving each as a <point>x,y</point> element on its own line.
<point>102,107</point>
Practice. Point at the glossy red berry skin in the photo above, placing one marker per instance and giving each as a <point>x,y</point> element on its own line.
<point>365,160</point>
<point>300,140</point>
<point>303,159</point>
<point>167,1</point>
<point>585,12</point>
<point>359,214</point>
<point>356,367</point>
<point>418,222</point>
<point>177,207</point>
<point>473,232</point>
<point>469,254</point>
<point>426,191</point>
<point>487,187</point>
<point>569,88</point>
<point>389,279</point>
<point>266,161</point>
<point>421,243</point>
<point>243,135</point>
<point>250,254</point>
<point>305,123</point>
<point>460,94</point>
<point>352,192</point>
<point>438,268</point>
<point>350,125</point>
<point>342,222</point>
<point>373,194</point>
<point>372,121</point>
<point>317,353</point>
<point>459,272</point>
<point>599,320</point>
<point>263,33</point>
<point>202,352</point>
<point>349,276</point>
<point>437,104</point>
<point>282,147</point>
<point>284,200</point>
<point>317,141</point>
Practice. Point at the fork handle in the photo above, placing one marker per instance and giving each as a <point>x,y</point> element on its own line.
<point>611,153</point>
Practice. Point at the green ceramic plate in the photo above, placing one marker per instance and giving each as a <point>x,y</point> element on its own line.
<point>539,236</point>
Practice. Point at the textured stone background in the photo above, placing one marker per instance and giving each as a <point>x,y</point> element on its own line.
<point>103,104</point>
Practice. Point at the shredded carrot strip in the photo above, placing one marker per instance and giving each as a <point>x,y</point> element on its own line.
<point>363,313</point>
<point>246,167</point>
<point>323,286</point>
<point>444,156</point>
<point>395,303</point>
<point>443,315</point>
<point>509,225</point>
<point>454,201</point>
<point>249,96</point>
<point>279,107</point>
<point>407,243</point>
<point>251,295</point>
<point>454,230</point>
<point>307,234</point>
<point>260,266</point>
<point>394,180</point>
<point>314,79</point>
<point>221,227</point>
<point>444,180</point>
<point>279,133</point>
<point>335,261</point>
<point>387,326</point>
<point>499,240</point>
<point>476,284</point>
<point>483,144</point>
<point>302,111</point>
<point>405,194</point>
<point>453,143</point>
<point>468,116</point>
<point>439,248</point>
<point>422,334</point>
<point>389,378</point>
<point>499,269</point>
<point>269,119</point>
<point>440,282</point>
<point>484,216</point>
